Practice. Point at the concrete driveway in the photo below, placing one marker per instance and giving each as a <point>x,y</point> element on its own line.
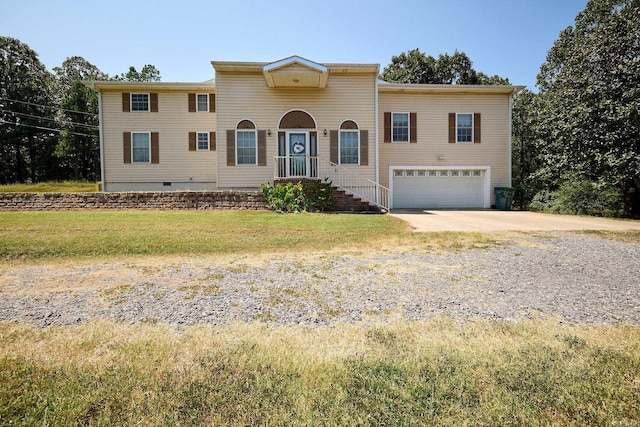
<point>492,220</point>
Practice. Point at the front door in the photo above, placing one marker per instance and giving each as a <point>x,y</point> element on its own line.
<point>298,152</point>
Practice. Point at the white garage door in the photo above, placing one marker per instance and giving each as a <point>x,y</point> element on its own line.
<point>439,188</point>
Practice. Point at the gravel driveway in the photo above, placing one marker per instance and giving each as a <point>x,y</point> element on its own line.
<point>582,279</point>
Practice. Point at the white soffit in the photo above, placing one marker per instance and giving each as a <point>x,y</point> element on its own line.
<point>296,72</point>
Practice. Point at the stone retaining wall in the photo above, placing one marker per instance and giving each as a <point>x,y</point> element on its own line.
<point>151,200</point>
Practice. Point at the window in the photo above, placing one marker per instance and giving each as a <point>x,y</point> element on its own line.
<point>397,172</point>
<point>410,173</point>
<point>349,143</point>
<point>421,173</point>
<point>246,143</point>
<point>400,127</point>
<point>139,102</point>
<point>464,127</point>
<point>203,141</point>
<point>140,147</point>
<point>202,102</point>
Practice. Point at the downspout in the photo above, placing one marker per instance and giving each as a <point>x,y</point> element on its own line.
<point>101,130</point>
<point>377,139</point>
<point>510,160</point>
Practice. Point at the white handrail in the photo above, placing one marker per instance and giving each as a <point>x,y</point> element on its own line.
<point>343,178</point>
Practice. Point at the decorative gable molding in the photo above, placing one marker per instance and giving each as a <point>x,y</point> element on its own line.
<point>296,71</point>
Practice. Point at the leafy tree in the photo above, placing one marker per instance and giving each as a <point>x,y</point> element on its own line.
<point>416,67</point>
<point>25,114</point>
<point>78,148</point>
<point>149,73</point>
<point>589,102</point>
<point>525,148</point>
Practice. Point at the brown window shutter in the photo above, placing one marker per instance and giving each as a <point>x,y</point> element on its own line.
<point>153,102</point>
<point>192,141</point>
<point>333,146</point>
<point>387,126</point>
<point>413,128</point>
<point>126,144</point>
<point>155,147</point>
<point>477,131</point>
<point>126,102</point>
<point>192,102</point>
<point>212,102</point>
<point>364,148</point>
<point>262,148</point>
<point>452,128</point>
<point>212,141</point>
<point>231,147</point>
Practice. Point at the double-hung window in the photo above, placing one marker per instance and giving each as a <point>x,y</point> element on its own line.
<point>246,143</point>
<point>202,102</point>
<point>203,141</point>
<point>349,143</point>
<point>400,127</point>
<point>141,147</point>
<point>139,102</point>
<point>464,127</point>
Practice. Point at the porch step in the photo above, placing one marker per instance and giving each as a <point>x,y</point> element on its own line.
<point>344,201</point>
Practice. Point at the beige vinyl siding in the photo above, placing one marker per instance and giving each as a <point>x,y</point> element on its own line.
<point>183,168</point>
<point>433,133</point>
<point>246,96</point>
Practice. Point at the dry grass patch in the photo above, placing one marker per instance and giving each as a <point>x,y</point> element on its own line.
<point>51,187</point>
<point>406,373</point>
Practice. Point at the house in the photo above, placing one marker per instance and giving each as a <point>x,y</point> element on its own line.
<point>395,145</point>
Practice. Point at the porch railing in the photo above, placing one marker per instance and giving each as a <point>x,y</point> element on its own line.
<point>287,167</point>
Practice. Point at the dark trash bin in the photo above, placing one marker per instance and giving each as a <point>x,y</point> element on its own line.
<point>504,197</point>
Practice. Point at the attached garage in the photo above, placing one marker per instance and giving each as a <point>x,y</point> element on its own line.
<point>440,187</point>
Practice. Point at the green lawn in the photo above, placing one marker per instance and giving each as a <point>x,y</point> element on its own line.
<point>51,187</point>
<point>85,234</point>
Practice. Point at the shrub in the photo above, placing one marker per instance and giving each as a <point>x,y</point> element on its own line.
<point>285,198</point>
<point>292,197</point>
<point>321,197</point>
<point>579,198</point>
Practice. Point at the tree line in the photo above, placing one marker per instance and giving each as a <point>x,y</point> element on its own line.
<point>49,120</point>
<point>576,145</point>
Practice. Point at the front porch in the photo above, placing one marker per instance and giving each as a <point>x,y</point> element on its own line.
<point>302,167</point>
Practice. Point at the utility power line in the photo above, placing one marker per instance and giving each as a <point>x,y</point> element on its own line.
<point>44,128</point>
<point>48,106</point>
<point>48,118</point>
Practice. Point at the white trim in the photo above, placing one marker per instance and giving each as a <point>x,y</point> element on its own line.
<point>198,141</point>
<point>297,109</point>
<point>340,146</point>
<point>149,148</point>
<point>293,60</point>
<point>199,111</point>
<point>472,128</point>
<point>101,130</point>
<point>408,127</point>
<point>487,179</point>
<point>131,110</point>
<point>377,145</point>
<point>509,158</point>
<point>249,120</point>
<point>255,132</point>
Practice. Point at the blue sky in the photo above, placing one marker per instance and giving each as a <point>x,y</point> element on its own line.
<point>506,37</point>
